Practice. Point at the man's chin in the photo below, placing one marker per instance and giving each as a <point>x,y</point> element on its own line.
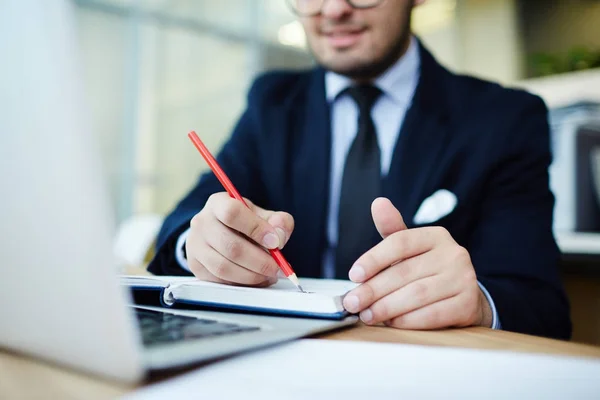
<point>353,69</point>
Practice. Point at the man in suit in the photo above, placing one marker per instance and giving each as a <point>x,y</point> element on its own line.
<point>428,188</point>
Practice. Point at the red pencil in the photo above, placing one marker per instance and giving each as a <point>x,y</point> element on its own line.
<point>228,185</point>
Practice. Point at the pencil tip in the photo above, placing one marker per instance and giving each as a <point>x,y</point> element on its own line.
<point>296,282</point>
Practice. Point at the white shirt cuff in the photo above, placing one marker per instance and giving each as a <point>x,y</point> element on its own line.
<point>495,319</point>
<point>179,255</point>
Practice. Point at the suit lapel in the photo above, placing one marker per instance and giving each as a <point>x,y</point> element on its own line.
<point>423,135</point>
<point>312,146</point>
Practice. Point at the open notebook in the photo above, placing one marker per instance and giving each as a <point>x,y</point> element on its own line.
<point>323,300</point>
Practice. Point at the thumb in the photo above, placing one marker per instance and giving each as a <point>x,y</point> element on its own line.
<point>282,222</point>
<point>386,217</point>
<point>284,225</point>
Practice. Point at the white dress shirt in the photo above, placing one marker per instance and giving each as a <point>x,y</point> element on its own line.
<point>398,85</point>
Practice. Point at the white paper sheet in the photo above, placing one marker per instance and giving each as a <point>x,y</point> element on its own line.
<point>326,369</point>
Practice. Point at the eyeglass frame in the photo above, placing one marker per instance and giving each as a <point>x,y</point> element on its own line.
<point>350,3</point>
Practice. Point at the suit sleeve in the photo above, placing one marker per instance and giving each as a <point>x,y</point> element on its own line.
<point>513,247</point>
<point>240,161</point>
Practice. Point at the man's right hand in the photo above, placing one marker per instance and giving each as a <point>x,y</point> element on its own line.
<point>227,242</point>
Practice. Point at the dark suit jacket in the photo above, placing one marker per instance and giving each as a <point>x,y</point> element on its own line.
<point>486,144</point>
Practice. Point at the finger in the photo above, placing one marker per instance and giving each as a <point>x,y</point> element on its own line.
<point>241,251</point>
<point>284,225</point>
<point>453,311</point>
<point>283,222</point>
<point>390,280</point>
<point>200,272</point>
<point>413,296</point>
<point>224,269</point>
<point>395,248</point>
<point>234,214</point>
<point>386,217</point>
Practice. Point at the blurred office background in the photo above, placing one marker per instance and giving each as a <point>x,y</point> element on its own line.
<point>155,69</point>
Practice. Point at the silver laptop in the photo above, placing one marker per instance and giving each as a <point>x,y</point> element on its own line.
<point>60,297</point>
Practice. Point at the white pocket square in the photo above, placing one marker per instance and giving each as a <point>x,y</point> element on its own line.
<point>436,206</point>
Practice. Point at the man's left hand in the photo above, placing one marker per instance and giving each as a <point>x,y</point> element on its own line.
<point>415,278</point>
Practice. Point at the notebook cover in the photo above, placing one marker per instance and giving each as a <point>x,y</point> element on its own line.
<point>210,306</point>
<point>148,296</point>
<point>154,296</point>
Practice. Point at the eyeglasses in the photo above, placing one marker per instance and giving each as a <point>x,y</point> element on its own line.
<point>310,8</point>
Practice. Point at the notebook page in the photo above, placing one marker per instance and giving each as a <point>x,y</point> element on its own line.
<point>323,297</point>
<point>153,281</point>
<point>327,287</point>
<point>321,286</point>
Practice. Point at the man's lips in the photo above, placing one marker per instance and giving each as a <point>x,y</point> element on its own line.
<point>343,38</point>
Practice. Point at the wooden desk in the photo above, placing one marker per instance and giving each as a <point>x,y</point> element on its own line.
<point>24,378</point>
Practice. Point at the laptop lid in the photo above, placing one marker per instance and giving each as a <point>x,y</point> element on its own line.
<point>59,294</point>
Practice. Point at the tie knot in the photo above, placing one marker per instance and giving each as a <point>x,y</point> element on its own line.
<point>364,96</point>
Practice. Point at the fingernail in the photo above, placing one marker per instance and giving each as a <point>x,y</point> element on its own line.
<point>351,303</point>
<point>357,273</point>
<point>281,234</point>
<point>271,241</point>
<point>366,316</point>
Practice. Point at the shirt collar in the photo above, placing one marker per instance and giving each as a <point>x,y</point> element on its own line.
<point>396,82</point>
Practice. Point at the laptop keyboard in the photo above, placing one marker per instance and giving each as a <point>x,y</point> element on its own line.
<point>163,328</point>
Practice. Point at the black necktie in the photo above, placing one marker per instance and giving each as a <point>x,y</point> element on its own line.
<point>361,184</point>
